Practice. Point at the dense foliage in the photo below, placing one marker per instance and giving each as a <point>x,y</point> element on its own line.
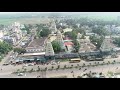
<point>42,30</point>
<point>5,47</point>
<point>19,50</point>
<point>117,41</point>
<point>97,41</point>
<point>100,30</point>
<point>76,45</point>
<point>56,46</point>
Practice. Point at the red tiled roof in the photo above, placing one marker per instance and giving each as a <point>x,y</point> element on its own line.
<point>68,43</point>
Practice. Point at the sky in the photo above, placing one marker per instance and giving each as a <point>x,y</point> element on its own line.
<point>95,13</point>
<point>112,13</point>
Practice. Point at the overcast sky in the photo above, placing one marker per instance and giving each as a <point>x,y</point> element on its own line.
<point>89,13</point>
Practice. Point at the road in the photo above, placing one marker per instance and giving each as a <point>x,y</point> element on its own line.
<point>6,58</point>
<point>7,70</point>
<point>66,72</point>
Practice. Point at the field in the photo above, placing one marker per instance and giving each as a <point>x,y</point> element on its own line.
<point>24,21</point>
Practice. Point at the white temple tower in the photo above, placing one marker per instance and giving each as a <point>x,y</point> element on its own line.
<point>49,49</point>
<point>59,39</point>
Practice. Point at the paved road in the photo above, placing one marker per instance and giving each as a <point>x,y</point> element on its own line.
<point>6,58</point>
<point>10,68</point>
<point>67,72</point>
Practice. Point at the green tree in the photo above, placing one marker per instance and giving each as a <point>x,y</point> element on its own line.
<point>76,45</point>
<point>27,28</point>
<point>56,46</point>
<point>19,50</point>
<point>117,41</point>
<point>97,41</point>
<point>45,32</point>
<point>5,47</point>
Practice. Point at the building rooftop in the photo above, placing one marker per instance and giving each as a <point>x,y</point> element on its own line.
<point>37,42</point>
<point>33,54</point>
<point>68,43</point>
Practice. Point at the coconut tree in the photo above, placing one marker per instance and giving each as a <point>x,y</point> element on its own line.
<point>25,69</point>
<point>58,67</point>
<point>65,66</point>
<point>79,76</point>
<point>31,70</point>
<point>89,63</point>
<point>108,62</point>
<point>114,61</point>
<point>52,67</point>
<point>71,65</point>
<point>45,68</point>
<point>38,68</point>
<point>83,64</point>
<point>18,70</point>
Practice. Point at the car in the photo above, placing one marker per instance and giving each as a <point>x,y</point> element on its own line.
<point>31,64</point>
<point>25,65</point>
<point>20,74</point>
<point>5,64</point>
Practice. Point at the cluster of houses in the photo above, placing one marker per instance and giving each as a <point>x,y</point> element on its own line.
<point>13,33</point>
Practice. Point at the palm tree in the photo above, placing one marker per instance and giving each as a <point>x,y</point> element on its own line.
<point>83,64</point>
<point>71,65</point>
<point>89,63</point>
<point>25,69</point>
<point>58,66</point>
<point>45,68</point>
<point>65,66</point>
<point>52,67</point>
<point>108,62</point>
<point>18,70</point>
<point>31,70</point>
<point>114,61</point>
<point>103,63</point>
<point>38,68</point>
<point>78,65</point>
<point>79,76</point>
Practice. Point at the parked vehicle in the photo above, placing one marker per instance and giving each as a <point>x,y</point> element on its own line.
<point>20,74</point>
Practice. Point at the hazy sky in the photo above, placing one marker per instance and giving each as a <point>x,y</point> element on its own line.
<point>89,13</point>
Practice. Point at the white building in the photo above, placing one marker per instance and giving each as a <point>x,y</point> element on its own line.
<point>49,49</point>
<point>11,40</point>
<point>67,30</point>
<point>59,39</point>
<point>79,36</point>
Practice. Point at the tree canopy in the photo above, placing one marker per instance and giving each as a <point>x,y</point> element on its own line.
<point>5,47</point>
<point>76,45</point>
<point>97,41</point>
<point>100,30</point>
<point>72,35</point>
<point>56,46</point>
<point>117,41</point>
<point>19,50</point>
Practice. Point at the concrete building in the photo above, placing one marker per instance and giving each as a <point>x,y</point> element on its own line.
<point>79,36</point>
<point>11,40</point>
<point>16,30</point>
<point>67,30</point>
